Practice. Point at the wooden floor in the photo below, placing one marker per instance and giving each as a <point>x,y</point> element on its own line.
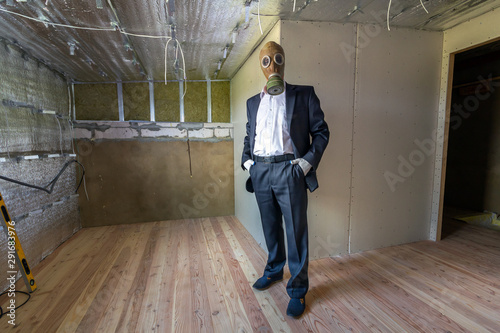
<point>196,276</point>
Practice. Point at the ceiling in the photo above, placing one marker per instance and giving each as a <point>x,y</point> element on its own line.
<point>125,40</point>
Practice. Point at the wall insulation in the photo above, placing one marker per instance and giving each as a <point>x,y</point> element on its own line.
<point>167,101</point>
<point>96,101</point>
<point>144,172</point>
<point>195,102</point>
<point>34,146</point>
<point>136,101</point>
<point>221,101</point>
<point>191,101</point>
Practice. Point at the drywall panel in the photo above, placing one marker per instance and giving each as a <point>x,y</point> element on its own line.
<point>195,102</point>
<point>397,95</point>
<point>221,101</point>
<point>96,101</point>
<point>316,55</point>
<point>474,32</point>
<point>136,101</point>
<point>247,82</point>
<point>167,102</point>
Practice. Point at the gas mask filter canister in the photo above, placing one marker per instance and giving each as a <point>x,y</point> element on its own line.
<point>275,84</point>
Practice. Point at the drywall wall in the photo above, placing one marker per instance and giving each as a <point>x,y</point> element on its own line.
<point>143,172</point>
<point>34,146</point>
<point>247,82</point>
<point>379,91</point>
<point>395,112</point>
<point>477,31</point>
<point>316,55</point>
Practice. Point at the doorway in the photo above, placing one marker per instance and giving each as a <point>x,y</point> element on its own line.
<point>472,183</point>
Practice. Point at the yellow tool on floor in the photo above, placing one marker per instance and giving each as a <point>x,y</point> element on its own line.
<point>15,250</point>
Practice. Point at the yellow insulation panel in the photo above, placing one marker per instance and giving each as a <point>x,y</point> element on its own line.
<point>221,102</point>
<point>167,101</point>
<point>96,101</point>
<point>195,102</point>
<point>136,101</point>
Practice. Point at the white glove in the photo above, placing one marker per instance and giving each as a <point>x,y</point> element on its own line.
<point>248,164</point>
<point>303,164</point>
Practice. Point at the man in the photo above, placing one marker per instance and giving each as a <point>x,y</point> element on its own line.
<point>286,137</point>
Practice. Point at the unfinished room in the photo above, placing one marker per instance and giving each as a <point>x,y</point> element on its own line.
<point>139,141</point>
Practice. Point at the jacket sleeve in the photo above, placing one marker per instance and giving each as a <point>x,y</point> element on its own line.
<point>318,130</point>
<point>247,154</point>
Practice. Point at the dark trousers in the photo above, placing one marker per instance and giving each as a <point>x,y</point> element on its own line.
<point>280,190</point>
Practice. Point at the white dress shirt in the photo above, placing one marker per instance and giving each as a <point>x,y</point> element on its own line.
<point>272,134</point>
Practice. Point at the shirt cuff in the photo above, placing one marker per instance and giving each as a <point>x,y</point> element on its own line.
<point>248,164</point>
<point>305,166</point>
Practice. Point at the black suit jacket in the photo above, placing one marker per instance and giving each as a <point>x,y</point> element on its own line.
<point>308,129</point>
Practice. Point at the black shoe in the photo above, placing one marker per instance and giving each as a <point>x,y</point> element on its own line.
<point>296,307</point>
<point>266,281</point>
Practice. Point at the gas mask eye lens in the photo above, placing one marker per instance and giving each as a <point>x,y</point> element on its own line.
<point>278,59</point>
<point>266,61</point>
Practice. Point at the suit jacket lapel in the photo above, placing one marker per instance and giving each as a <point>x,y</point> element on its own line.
<point>290,103</point>
<point>254,108</point>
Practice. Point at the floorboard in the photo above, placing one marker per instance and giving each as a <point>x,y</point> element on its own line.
<point>197,275</point>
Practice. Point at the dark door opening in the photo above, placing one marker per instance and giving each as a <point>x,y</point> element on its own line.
<point>472,185</point>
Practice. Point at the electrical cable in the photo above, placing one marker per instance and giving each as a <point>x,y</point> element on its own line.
<point>81,28</point>
<point>166,57</point>
<point>183,68</point>
<point>7,137</point>
<point>258,17</point>
<point>72,133</point>
<point>424,7</point>
<point>388,10</point>
<point>56,24</point>
<point>17,307</point>
<point>60,135</point>
<point>52,183</point>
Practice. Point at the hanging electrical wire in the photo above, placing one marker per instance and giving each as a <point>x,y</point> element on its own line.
<point>166,57</point>
<point>388,11</point>
<point>258,17</point>
<point>7,129</point>
<point>50,186</point>
<point>421,2</point>
<point>116,28</point>
<point>60,135</point>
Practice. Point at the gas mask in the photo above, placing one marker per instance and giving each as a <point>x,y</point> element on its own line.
<point>272,63</point>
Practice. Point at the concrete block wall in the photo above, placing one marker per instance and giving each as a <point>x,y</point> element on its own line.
<point>35,143</point>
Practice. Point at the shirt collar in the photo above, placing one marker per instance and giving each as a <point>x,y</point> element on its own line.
<point>264,91</point>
